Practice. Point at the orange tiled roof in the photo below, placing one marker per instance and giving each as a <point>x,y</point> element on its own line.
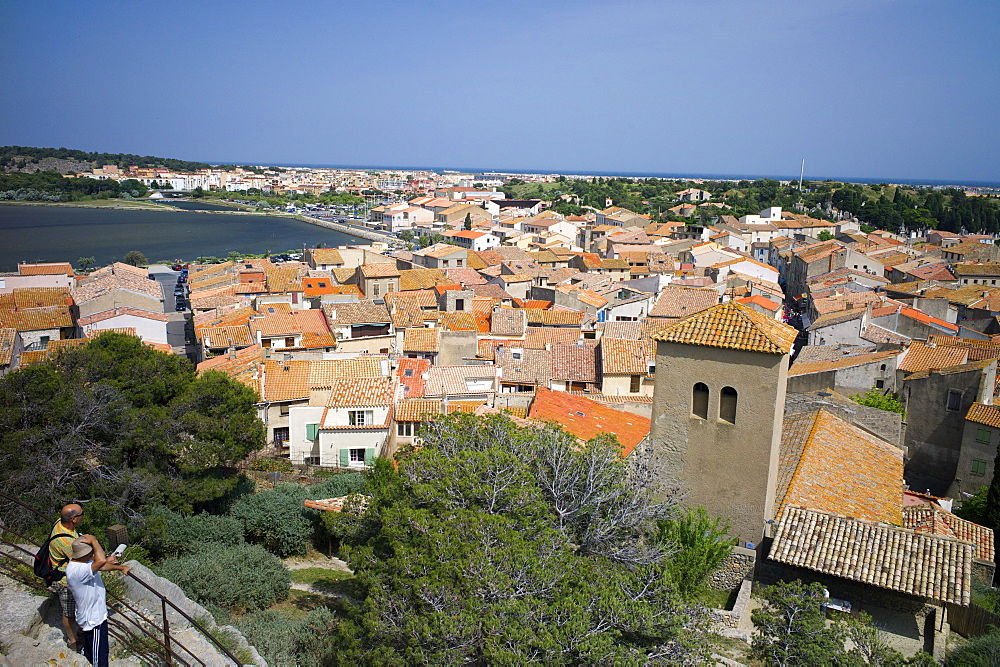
<point>929,517</point>
<point>411,376</point>
<point>35,319</point>
<point>831,465</point>
<point>632,357</point>
<point>363,392</point>
<point>417,409</point>
<point>987,415</point>
<point>733,326</point>
<point>923,357</point>
<point>585,418</point>
<point>422,340</point>
<point>49,269</point>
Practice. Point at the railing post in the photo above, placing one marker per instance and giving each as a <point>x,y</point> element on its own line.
<point>166,632</point>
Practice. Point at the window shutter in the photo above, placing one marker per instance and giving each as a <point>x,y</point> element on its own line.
<point>312,431</point>
<point>370,456</point>
<point>345,458</point>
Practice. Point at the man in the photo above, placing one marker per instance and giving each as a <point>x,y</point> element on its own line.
<point>60,552</point>
<point>83,576</point>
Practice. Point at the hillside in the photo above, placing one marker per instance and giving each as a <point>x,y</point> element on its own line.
<point>30,159</point>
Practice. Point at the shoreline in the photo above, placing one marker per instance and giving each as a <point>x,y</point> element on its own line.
<point>370,235</point>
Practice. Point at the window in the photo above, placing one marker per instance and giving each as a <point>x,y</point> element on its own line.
<point>322,284</point>
<point>699,400</point>
<point>978,466</point>
<point>281,436</point>
<point>375,289</point>
<point>408,372</point>
<point>404,428</point>
<point>358,455</point>
<point>360,417</point>
<point>312,431</point>
<point>459,304</point>
<point>44,341</point>
<point>954,403</point>
<point>284,408</point>
<point>983,435</point>
<point>727,406</point>
<point>880,384</point>
<point>635,384</point>
<point>289,342</point>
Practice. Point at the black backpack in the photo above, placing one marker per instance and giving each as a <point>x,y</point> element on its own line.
<point>43,562</point>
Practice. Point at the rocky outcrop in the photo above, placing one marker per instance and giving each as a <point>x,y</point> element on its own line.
<point>31,627</point>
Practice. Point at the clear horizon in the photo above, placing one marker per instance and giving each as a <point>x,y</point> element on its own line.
<point>906,91</point>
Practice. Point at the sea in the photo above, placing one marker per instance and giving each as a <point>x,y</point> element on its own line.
<point>64,234</point>
<point>669,175</point>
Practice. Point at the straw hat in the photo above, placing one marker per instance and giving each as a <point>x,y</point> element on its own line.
<point>81,548</point>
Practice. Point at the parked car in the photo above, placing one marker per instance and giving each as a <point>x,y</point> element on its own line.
<point>180,305</point>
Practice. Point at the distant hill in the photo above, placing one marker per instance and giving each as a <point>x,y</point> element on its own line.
<point>29,159</point>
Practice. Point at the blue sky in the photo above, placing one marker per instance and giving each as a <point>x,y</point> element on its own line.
<point>906,89</point>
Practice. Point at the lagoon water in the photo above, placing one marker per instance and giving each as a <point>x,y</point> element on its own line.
<point>64,234</point>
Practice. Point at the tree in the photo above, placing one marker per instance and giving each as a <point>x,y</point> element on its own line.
<point>825,236</point>
<point>135,258</point>
<point>468,221</point>
<point>119,421</point>
<point>85,262</point>
<point>499,544</point>
<point>198,192</point>
<point>791,627</point>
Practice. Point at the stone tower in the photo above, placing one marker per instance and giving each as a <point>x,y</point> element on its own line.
<point>717,412</point>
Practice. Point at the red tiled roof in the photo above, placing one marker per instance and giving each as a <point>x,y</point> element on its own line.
<point>585,418</point>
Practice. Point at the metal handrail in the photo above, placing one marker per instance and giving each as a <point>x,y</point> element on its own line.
<point>165,602</point>
<point>168,652</point>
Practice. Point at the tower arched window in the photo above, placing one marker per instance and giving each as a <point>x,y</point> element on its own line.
<point>699,400</point>
<point>727,405</point>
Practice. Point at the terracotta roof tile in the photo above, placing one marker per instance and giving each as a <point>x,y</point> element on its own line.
<point>508,322</point>
<point>363,392</point>
<point>885,556</point>
<point>630,357</point>
<point>829,464</point>
<point>922,357</point>
<point>417,409</point>
<point>585,418</point>
<point>988,415</point>
<point>457,380</point>
<point>215,337</point>
<point>574,363</point>
<point>36,319</point>
<point>422,340</point>
<point>929,517</point>
<point>384,270</point>
<point>360,312</point>
<point>47,269</point>
<point>677,302</point>
<point>733,326</point>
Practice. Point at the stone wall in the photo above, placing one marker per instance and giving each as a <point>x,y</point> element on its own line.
<point>734,569</point>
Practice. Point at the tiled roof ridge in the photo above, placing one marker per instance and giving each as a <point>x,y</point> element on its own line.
<point>773,337</point>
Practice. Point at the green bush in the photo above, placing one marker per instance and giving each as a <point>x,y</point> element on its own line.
<point>981,651</point>
<point>240,578</point>
<point>284,640</point>
<point>168,534</point>
<point>702,543</point>
<point>276,519</point>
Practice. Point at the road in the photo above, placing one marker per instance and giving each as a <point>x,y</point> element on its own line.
<point>167,278</point>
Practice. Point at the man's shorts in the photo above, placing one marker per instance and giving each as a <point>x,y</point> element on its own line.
<point>66,600</point>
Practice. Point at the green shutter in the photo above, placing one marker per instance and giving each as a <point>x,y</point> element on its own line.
<point>370,456</point>
<point>312,431</point>
<point>345,458</point>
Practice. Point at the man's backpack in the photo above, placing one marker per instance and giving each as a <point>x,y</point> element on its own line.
<point>43,562</point>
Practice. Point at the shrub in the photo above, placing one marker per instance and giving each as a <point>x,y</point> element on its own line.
<point>874,398</point>
<point>240,578</point>
<point>284,640</point>
<point>702,543</point>
<point>980,651</point>
<point>168,533</point>
<point>275,519</point>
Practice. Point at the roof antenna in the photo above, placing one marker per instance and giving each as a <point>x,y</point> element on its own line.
<point>802,170</point>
